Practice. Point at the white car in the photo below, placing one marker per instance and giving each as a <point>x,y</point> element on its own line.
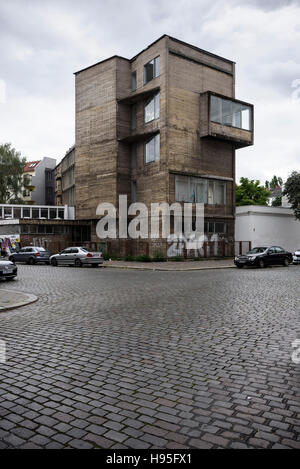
<point>8,269</point>
<point>77,256</point>
<point>296,257</point>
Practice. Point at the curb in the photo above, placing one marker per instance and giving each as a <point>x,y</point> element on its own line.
<point>162,269</point>
<point>30,299</point>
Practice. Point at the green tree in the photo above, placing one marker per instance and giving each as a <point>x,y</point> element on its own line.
<point>249,192</point>
<point>292,191</point>
<point>275,182</point>
<point>11,175</point>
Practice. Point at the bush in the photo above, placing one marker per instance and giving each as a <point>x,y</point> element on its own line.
<point>158,257</point>
<point>129,258</point>
<point>143,258</point>
<point>106,256</point>
<point>176,258</point>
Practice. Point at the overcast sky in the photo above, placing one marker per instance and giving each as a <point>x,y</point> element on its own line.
<point>42,42</point>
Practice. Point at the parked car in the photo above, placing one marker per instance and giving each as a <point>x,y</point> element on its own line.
<point>8,270</point>
<point>77,256</point>
<point>296,257</point>
<point>31,255</point>
<point>264,256</point>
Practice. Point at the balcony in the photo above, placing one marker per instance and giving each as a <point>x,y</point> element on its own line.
<point>226,119</point>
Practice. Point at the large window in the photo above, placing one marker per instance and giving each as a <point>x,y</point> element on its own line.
<point>133,81</point>
<point>151,69</point>
<point>200,190</point>
<point>152,149</point>
<point>231,113</point>
<point>152,108</point>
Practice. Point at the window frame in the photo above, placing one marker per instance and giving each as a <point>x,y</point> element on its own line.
<point>156,107</point>
<point>156,158</point>
<point>156,69</point>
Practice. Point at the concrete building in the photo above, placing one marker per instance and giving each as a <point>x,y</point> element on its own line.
<point>52,227</point>
<point>39,182</point>
<point>160,127</point>
<point>64,175</point>
<point>267,226</point>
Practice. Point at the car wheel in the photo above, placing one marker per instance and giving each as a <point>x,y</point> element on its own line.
<point>240,266</point>
<point>95,265</point>
<point>11,259</point>
<point>31,261</point>
<point>10,279</point>
<point>78,263</point>
<point>286,262</point>
<point>261,263</point>
<point>54,262</point>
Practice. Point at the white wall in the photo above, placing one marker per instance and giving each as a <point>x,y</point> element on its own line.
<point>267,226</point>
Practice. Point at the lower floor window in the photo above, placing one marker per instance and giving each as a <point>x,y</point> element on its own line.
<point>215,227</point>
<point>200,190</point>
<point>152,149</point>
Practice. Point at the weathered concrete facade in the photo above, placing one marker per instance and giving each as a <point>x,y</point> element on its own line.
<point>113,131</point>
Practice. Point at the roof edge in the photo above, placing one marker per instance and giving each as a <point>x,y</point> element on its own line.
<point>101,62</point>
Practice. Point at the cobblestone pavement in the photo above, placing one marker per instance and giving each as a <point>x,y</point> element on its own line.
<point>174,265</point>
<point>113,358</point>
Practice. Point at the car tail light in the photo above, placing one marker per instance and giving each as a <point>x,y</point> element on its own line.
<point>38,254</point>
<point>89,254</point>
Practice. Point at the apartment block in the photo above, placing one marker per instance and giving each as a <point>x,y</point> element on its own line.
<point>64,174</point>
<point>39,182</point>
<point>163,126</point>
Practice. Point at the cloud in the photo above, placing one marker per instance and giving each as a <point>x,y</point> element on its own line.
<point>43,43</point>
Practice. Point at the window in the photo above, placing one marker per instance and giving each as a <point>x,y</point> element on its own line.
<point>133,81</point>
<point>215,227</point>
<point>133,191</point>
<point>231,113</point>
<point>133,117</point>
<point>200,190</point>
<point>133,155</point>
<point>151,70</point>
<point>152,108</point>
<point>152,149</point>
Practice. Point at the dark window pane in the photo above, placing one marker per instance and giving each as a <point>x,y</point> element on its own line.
<point>133,81</point>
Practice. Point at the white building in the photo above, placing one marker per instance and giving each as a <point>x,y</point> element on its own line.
<point>267,226</point>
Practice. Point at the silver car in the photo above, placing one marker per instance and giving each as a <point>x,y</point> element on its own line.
<point>296,257</point>
<point>77,256</point>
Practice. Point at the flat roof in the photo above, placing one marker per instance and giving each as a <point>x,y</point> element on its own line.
<point>211,54</point>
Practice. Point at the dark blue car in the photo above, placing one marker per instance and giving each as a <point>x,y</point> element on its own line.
<point>31,255</point>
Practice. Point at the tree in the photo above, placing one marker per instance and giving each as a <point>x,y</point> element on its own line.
<point>275,183</point>
<point>11,175</point>
<point>292,191</point>
<point>249,192</point>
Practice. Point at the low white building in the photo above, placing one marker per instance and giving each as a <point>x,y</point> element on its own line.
<point>267,226</point>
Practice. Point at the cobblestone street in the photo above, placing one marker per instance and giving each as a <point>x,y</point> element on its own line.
<point>111,358</point>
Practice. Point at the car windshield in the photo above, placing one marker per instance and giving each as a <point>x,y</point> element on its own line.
<point>40,249</point>
<point>83,249</point>
<point>257,250</point>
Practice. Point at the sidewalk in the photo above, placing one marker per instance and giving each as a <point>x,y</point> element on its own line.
<point>10,299</point>
<point>173,265</point>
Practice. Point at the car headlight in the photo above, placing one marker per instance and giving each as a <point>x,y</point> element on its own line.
<point>252,258</point>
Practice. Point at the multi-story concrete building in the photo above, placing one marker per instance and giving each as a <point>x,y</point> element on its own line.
<point>65,179</point>
<point>160,127</point>
<point>39,186</point>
